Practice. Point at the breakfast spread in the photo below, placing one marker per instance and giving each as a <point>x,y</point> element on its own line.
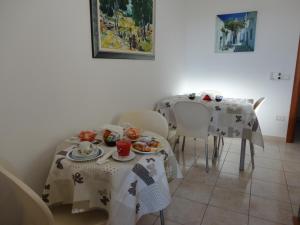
<point>146,144</point>
<point>88,135</point>
<point>110,137</point>
<point>133,133</point>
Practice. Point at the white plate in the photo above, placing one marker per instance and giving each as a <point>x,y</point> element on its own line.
<point>158,149</point>
<point>116,157</point>
<point>147,153</point>
<point>75,159</point>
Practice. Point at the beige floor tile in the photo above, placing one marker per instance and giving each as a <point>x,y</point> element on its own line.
<point>185,159</point>
<point>292,167</point>
<point>269,153</point>
<point>218,216</point>
<point>290,156</point>
<point>269,175</point>
<point>185,211</point>
<point>167,222</point>
<point>234,168</point>
<point>235,157</point>
<point>174,184</point>
<point>271,210</point>
<point>195,191</point>
<point>295,209</point>
<point>257,221</point>
<point>199,175</point>
<point>270,190</point>
<point>230,199</point>
<point>293,179</point>
<point>294,193</point>
<point>147,220</point>
<point>234,182</point>
<point>267,163</point>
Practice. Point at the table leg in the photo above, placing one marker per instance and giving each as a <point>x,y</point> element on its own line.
<point>162,218</point>
<point>216,154</point>
<point>243,153</point>
<point>183,143</point>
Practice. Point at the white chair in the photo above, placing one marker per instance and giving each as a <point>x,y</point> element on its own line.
<point>148,120</point>
<point>35,212</point>
<point>193,120</point>
<point>258,103</point>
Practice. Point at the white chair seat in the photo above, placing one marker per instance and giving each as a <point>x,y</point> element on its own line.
<point>63,216</point>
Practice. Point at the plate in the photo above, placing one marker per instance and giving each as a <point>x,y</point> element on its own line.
<point>154,151</point>
<point>116,157</point>
<point>84,159</point>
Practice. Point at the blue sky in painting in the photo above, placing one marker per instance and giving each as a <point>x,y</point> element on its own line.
<point>232,16</point>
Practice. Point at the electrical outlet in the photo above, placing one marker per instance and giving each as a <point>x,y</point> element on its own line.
<point>280,118</point>
<point>279,76</point>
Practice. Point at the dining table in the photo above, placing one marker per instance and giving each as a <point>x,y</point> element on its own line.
<point>230,117</point>
<point>126,190</point>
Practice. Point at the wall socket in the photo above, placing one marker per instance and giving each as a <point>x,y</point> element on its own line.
<point>280,118</point>
<point>279,76</point>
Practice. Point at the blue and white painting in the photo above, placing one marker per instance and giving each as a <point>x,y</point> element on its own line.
<point>236,32</point>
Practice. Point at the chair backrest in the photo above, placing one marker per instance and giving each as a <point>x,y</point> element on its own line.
<point>258,103</point>
<point>192,119</point>
<point>34,210</point>
<point>148,120</point>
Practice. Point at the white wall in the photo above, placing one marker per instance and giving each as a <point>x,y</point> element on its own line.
<point>51,88</point>
<point>245,74</point>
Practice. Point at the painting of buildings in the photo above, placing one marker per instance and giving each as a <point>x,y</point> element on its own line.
<point>236,32</point>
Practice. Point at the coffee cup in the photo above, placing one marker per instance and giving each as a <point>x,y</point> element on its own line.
<point>85,147</point>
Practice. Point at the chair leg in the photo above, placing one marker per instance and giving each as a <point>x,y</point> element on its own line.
<point>222,140</point>
<point>206,154</point>
<point>183,143</point>
<point>252,154</point>
<point>215,147</point>
<point>243,153</point>
<point>176,142</point>
<point>162,218</point>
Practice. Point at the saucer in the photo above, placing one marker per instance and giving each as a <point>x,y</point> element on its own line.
<point>116,157</point>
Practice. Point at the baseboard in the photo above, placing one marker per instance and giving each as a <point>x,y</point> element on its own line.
<point>273,138</point>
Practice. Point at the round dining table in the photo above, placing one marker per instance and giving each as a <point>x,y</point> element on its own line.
<point>126,190</point>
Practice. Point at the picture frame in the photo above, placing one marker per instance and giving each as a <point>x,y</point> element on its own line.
<point>236,32</point>
<point>123,29</point>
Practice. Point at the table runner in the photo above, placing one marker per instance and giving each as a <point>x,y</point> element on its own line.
<point>125,190</point>
<point>232,117</point>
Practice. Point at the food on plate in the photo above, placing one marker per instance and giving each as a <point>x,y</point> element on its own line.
<point>88,135</point>
<point>143,147</point>
<point>140,146</point>
<point>133,133</point>
<point>153,144</point>
<point>110,137</point>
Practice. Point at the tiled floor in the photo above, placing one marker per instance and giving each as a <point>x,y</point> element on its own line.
<point>267,195</point>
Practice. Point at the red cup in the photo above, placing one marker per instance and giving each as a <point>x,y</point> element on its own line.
<point>123,147</point>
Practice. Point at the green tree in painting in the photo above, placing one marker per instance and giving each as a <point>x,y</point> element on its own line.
<point>142,13</point>
<point>112,8</point>
<point>235,26</point>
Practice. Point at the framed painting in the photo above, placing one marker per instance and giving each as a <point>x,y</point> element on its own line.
<point>123,29</point>
<point>236,32</point>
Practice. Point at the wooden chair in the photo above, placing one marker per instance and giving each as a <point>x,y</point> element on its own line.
<point>35,212</point>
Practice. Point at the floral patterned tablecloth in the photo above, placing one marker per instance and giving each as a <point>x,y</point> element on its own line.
<point>231,117</point>
<point>126,190</point>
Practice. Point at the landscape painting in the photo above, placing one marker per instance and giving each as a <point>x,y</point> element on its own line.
<point>236,32</point>
<point>123,29</point>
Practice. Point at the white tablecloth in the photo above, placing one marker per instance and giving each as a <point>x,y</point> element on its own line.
<point>231,117</point>
<point>127,190</point>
